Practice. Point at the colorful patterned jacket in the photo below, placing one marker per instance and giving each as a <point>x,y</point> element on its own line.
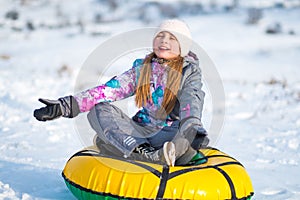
<point>190,96</point>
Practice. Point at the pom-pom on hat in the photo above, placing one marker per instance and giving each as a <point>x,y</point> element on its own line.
<point>180,30</point>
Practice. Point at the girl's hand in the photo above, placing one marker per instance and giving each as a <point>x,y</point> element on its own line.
<point>65,106</point>
<point>50,112</point>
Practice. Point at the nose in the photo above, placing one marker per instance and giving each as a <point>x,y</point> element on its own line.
<point>164,39</point>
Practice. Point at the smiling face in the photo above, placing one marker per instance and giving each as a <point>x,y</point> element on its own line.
<point>165,45</point>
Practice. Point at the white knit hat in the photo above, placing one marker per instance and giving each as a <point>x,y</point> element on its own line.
<point>180,30</point>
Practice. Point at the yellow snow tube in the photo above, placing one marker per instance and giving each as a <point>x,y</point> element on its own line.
<point>90,175</point>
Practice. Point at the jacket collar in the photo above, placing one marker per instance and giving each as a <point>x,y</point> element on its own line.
<point>191,58</point>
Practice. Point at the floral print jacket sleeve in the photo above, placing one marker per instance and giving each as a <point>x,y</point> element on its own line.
<point>117,88</point>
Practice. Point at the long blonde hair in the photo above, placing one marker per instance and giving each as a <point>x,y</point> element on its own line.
<point>172,86</point>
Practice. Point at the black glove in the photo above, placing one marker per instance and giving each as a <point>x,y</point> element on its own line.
<point>201,140</point>
<point>50,112</point>
<point>199,130</point>
<point>66,107</point>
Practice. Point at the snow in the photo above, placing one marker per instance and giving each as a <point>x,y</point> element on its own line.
<point>259,72</point>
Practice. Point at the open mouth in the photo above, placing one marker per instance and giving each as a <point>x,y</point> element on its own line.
<point>163,48</point>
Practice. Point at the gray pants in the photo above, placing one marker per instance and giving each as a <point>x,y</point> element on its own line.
<point>115,127</point>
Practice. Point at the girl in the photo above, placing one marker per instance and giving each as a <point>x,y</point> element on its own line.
<point>167,87</point>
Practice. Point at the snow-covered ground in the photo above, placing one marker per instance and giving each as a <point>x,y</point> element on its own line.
<point>259,71</point>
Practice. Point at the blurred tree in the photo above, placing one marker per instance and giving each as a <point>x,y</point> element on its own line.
<point>12,14</point>
<point>254,15</point>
